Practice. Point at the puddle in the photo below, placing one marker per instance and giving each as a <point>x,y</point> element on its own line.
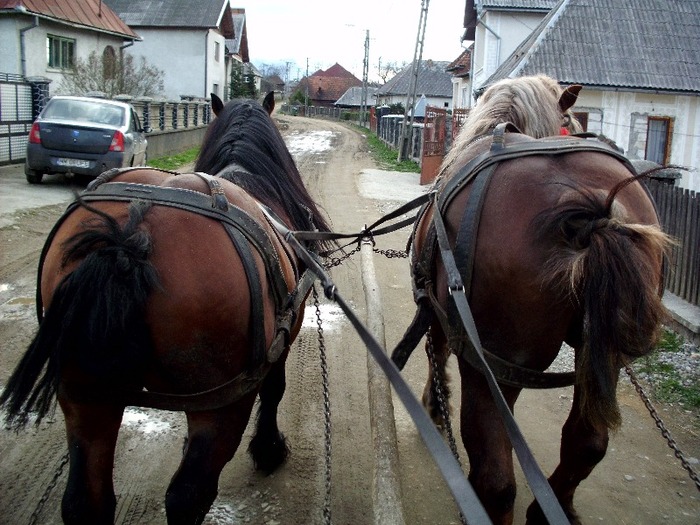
<point>146,422</point>
<point>312,142</point>
<point>331,316</point>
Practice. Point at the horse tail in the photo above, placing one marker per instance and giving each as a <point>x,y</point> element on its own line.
<point>611,268</point>
<point>95,320</point>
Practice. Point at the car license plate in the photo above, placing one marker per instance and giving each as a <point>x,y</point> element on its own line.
<point>73,163</point>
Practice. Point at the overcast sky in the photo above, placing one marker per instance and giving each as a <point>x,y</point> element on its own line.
<point>281,31</point>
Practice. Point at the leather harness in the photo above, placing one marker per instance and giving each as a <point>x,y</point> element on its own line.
<point>478,172</point>
<point>245,232</point>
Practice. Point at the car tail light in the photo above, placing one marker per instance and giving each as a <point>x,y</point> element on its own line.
<point>34,135</point>
<point>117,142</point>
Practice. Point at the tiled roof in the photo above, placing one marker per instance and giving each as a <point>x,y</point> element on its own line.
<point>628,44</point>
<point>329,85</point>
<point>169,13</point>
<point>433,80</point>
<point>461,66</point>
<point>88,13</point>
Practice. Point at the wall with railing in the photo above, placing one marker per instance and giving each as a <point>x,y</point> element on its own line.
<point>175,125</point>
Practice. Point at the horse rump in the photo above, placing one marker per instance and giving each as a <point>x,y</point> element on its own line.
<point>611,268</point>
<point>95,320</point>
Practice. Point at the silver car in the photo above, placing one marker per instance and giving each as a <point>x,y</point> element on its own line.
<point>84,136</point>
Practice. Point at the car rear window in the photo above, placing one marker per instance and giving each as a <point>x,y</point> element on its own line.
<point>84,110</point>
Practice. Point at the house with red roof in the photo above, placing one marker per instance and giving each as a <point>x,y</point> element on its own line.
<point>44,38</point>
<point>326,87</point>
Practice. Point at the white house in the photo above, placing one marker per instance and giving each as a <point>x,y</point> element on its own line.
<point>643,96</point>
<point>43,38</point>
<point>186,40</point>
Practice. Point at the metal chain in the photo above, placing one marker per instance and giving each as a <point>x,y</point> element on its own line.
<point>337,261</point>
<point>326,407</point>
<point>44,498</point>
<point>662,427</point>
<point>392,254</point>
<point>438,382</point>
<point>389,254</point>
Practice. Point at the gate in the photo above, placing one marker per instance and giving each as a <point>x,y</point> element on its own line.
<point>21,101</point>
<point>459,115</point>
<point>433,143</point>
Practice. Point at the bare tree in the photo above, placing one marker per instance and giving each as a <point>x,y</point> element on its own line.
<point>389,69</point>
<point>113,76</point>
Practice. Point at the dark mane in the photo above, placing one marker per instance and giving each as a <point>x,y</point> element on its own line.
<point>244,134</point>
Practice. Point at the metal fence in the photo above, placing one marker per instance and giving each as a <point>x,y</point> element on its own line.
<point>20,103</point>
<point>679,210</point>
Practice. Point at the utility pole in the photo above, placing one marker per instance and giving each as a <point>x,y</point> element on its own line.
<point>406,127</point>
<point>365,74</point>
<point>306,94</point>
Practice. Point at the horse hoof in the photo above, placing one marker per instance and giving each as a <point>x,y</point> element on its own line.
<point>268,454</point>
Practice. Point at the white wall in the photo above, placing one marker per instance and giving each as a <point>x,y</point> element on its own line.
<point>36,63</point>
<point>499,34</point>
<point>187,58</point>
<point>621,116</point>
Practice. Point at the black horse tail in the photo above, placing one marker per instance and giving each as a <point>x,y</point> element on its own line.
<point>611,268</point>
<point>95,322</point>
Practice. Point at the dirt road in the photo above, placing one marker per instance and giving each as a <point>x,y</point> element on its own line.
<point>639,481</point>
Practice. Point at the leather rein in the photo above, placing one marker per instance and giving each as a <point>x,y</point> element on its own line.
<point>244,232</point>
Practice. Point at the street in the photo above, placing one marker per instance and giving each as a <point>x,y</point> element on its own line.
<point>639,481</point>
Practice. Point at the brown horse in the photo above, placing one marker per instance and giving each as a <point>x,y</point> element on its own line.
<point>556,241</point>
<point>172,291</point>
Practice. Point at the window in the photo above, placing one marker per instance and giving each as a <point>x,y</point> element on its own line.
<point>217,50</point>
<point>60,52</point>
<point>658,139</point>
<point>215,89</point>
<point>109,63</point>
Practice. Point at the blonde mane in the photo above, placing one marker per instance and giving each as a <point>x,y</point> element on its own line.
<point>530,103</point>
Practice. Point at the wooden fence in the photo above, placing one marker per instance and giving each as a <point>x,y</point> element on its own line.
<point>679,210</point>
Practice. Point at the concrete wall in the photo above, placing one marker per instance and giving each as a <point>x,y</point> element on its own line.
<point>161,143</point>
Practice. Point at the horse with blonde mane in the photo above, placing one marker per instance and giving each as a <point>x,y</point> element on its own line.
<point>556,241</point>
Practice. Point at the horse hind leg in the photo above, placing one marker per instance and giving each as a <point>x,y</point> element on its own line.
<point>91,432</point>
<point>213,438</point>
<point>436,393</point>
<point>582,448</point>
<point>269,448</point>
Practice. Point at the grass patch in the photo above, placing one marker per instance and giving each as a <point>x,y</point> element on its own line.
<point>386,157</point>
<point>665,380</point>
<point>173,162</point>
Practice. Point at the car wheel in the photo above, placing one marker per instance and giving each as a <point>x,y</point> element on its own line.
<point>33,177</point>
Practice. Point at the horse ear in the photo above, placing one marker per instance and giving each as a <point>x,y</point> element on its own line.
<point>269,102</point>
<point>216,104</point>
<point>569,96</point>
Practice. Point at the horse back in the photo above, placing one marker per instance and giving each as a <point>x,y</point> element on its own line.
<point>199,315</point>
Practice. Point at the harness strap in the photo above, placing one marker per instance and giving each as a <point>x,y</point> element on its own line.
<point>536,479</point>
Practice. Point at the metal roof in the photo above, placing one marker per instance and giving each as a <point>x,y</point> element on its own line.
<point>517,4</point>
<point>621,44</point>
<point>433,80</point>
<point>170,13</point>
<point>92,14</point>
